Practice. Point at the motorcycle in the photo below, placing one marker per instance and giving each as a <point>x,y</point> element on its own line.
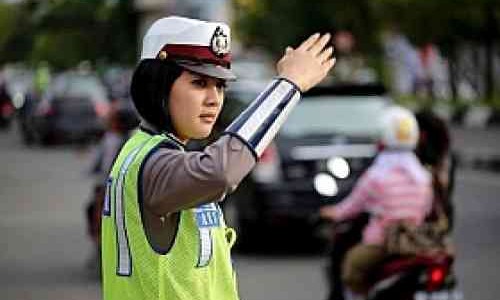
<point>413,277</point>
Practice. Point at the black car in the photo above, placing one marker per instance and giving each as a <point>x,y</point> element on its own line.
<point>74,108</point>
<point>327,142</point>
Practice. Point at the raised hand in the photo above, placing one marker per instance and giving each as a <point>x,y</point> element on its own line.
<point>307,65</point>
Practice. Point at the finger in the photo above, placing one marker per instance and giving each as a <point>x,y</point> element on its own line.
<point>320,44</point>
<point>325,54</point>
<point>308,43</point>
<point>288,50</point>
<point>328,64</point>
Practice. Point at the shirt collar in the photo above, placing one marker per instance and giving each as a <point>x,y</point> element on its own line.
<point>151,129</point>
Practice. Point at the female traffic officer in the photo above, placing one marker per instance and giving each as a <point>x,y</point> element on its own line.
<point>163,234</point>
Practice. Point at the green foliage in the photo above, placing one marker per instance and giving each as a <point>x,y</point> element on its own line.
<point>444,22</point>
<point>273,24</point>
<point>65,32</point>
<point>53,46</point>
<point>8,14</point>
<point>15,32</point>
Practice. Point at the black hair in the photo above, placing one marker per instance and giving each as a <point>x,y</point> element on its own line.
<point>126,117</point>
<point>150,90</point>
<point>435,138</point>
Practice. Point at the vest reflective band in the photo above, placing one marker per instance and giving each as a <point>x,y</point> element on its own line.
<point>198,266</point>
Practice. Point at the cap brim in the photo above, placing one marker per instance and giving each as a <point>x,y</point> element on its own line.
<point>209,70</point>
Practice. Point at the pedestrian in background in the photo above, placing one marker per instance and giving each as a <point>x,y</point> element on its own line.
<point>163,233</point>
<point>434,151</point>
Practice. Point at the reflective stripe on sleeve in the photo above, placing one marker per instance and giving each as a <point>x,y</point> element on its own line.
<point>260,122</point>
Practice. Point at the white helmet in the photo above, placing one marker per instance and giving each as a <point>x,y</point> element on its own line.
<point>399,129</point>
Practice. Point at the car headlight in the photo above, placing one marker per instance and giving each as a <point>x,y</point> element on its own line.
<point>339,167</point>
<point>325,185</point>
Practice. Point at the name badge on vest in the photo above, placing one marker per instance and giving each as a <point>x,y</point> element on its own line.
<point>208,216</point>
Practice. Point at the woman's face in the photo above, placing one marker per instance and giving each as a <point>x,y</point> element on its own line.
<point>194,105</point>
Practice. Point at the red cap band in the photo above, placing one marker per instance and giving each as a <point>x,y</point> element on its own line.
<point>197,53</point>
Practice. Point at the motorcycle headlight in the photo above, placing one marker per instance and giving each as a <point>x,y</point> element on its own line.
<point>339,167</point>
<point>325,185</point>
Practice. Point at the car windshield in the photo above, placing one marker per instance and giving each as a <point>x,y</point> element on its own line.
<point>351,115</point>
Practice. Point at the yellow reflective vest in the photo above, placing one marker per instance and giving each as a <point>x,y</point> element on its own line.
<point>197,266</point>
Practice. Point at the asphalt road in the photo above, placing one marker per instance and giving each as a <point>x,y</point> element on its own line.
<point>45,249</point>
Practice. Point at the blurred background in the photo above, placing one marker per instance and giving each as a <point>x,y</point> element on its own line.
<point>65,69</point>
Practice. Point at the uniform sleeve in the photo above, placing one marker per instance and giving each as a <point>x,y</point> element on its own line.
<point>355,203</point>
<point>173,180</point>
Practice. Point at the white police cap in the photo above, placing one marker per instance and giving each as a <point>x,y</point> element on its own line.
<point>199,46</point>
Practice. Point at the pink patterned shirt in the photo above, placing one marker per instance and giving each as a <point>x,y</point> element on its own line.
<point>389,192</point>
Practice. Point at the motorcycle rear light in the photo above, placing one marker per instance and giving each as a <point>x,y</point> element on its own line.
<point>436,277</point>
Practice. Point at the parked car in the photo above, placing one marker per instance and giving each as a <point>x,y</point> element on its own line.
<point>328,140</point>
<point>73,109</point>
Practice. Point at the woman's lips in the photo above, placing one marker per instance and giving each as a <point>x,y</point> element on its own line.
<point>208,118</point>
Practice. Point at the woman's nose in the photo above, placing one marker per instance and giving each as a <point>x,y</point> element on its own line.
<point>214,96</point>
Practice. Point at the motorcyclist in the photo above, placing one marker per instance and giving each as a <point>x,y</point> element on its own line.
<point>396,187</point>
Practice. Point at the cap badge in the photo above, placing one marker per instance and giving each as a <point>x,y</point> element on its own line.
<point>162,55</point>
<point>219,42</point>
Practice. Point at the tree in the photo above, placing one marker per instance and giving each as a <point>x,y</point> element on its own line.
<point>274,24</point>
<point>7,22</point>
<point>65,32</point>
<point>71,31</point>
<point>16,31</point>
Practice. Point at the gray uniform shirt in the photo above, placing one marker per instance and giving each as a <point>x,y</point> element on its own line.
<point>174,180</point>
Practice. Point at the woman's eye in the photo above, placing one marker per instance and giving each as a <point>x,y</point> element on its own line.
<point>199,82</point>
<point>221,85</point>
